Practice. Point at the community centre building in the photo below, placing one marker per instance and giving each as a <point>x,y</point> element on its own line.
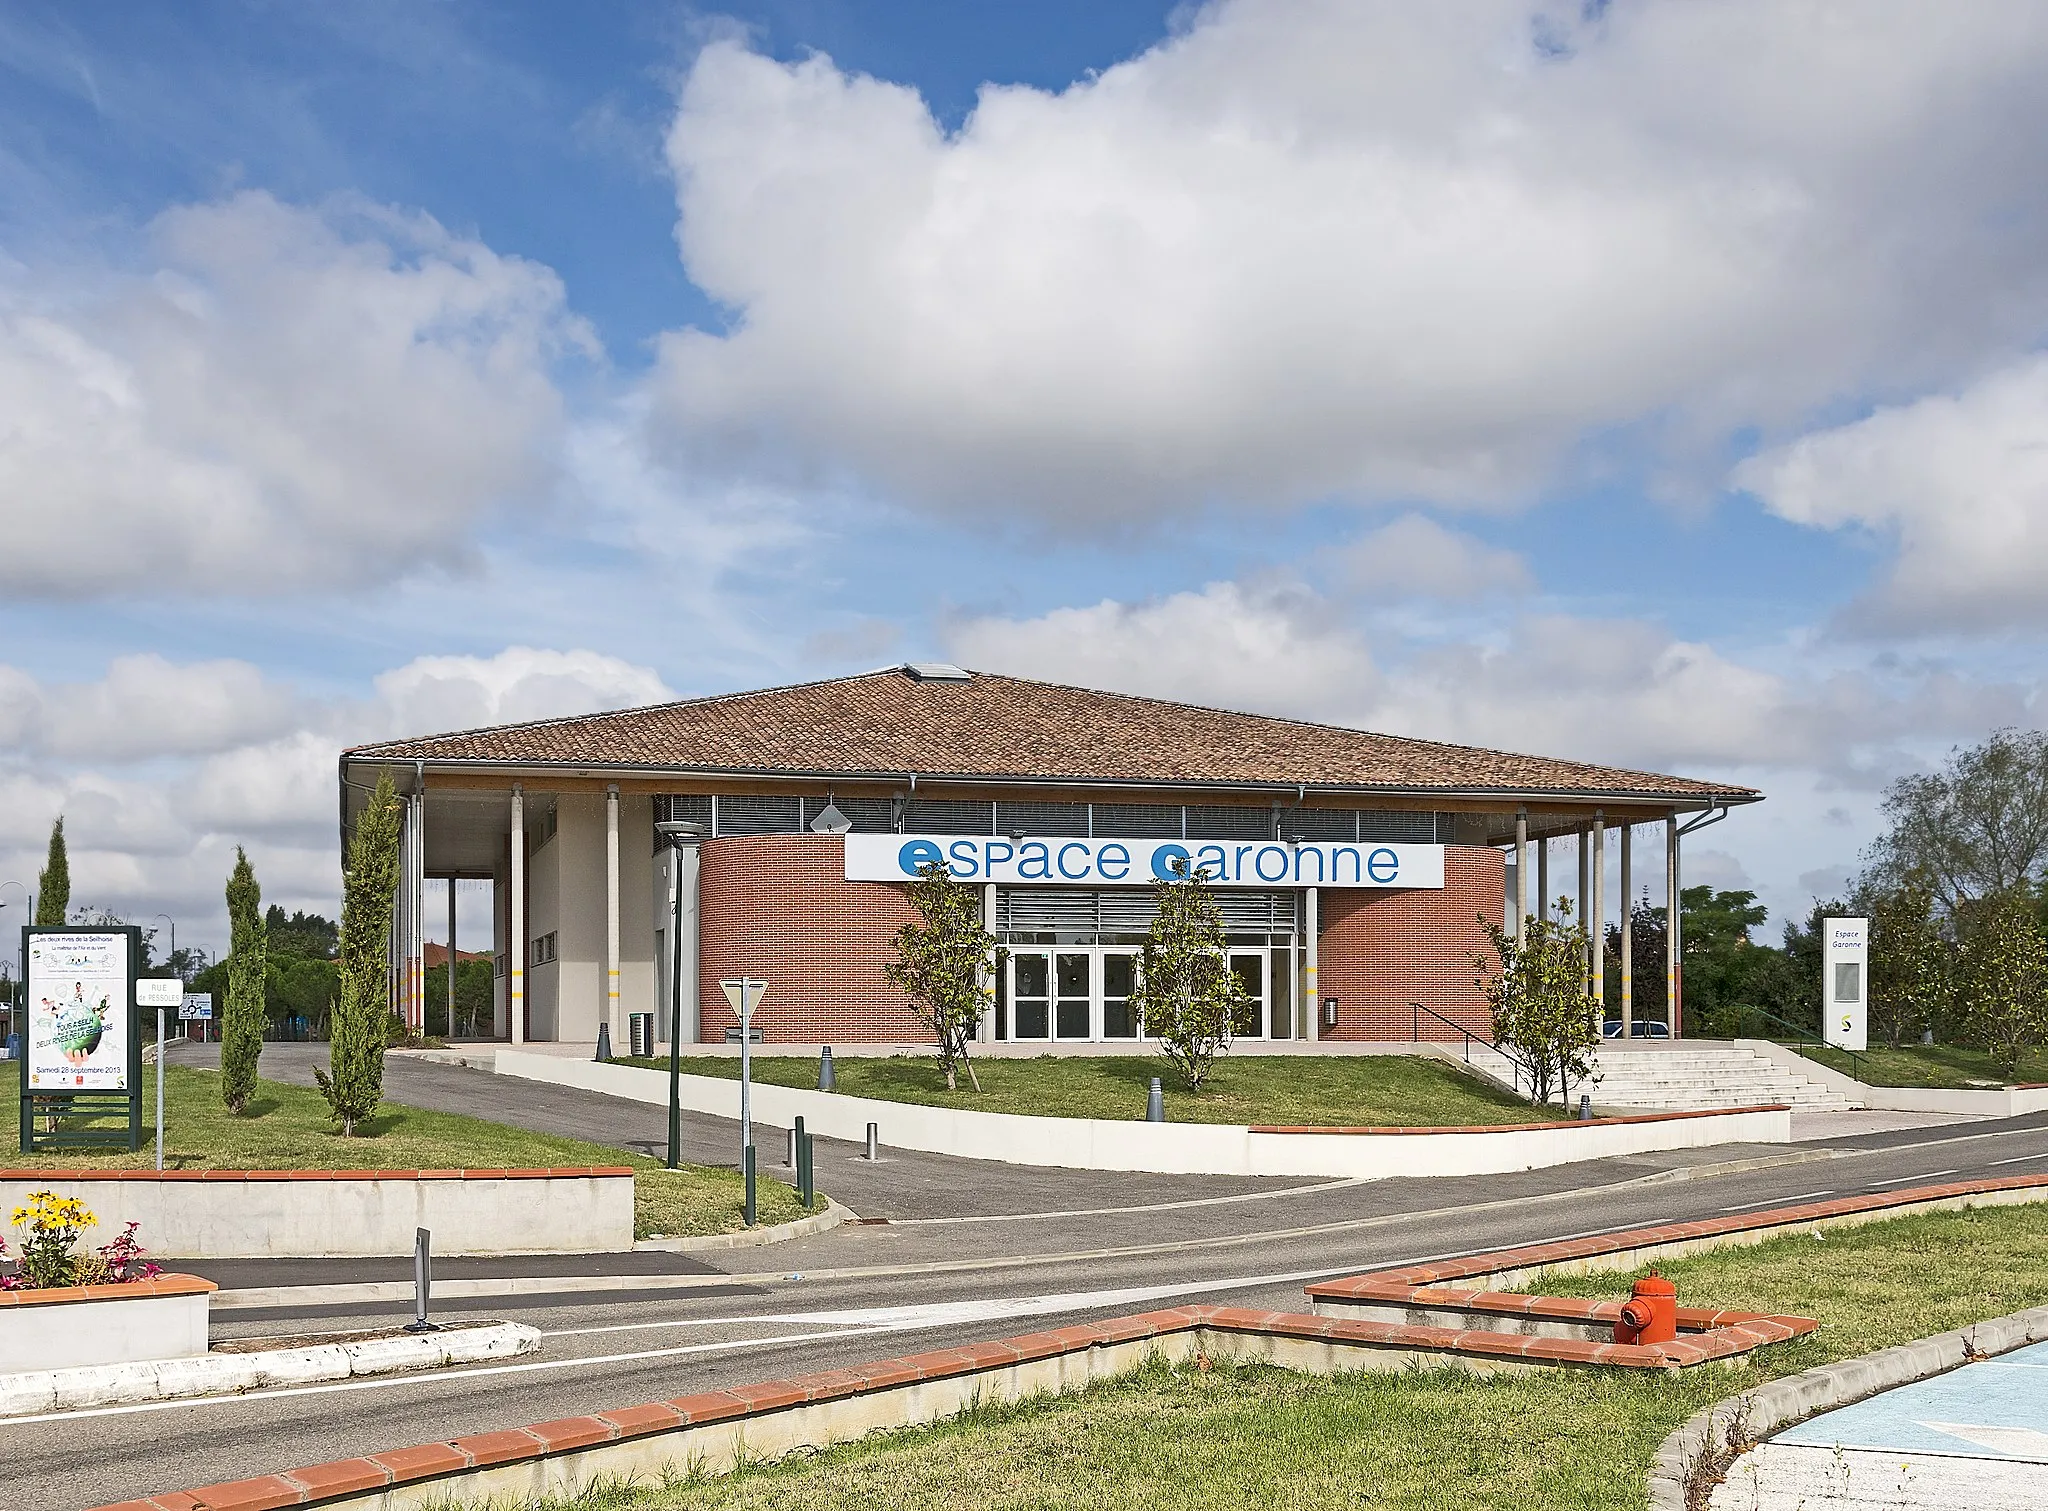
<point>772,833</point>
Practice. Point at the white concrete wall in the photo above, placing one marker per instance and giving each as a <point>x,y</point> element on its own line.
<point>73,1334</point>
<point>577,896</point>
<point>1172,1148</point>
<point>637,922</point>
<point>1993,1102</point>
<point>319,1217</point>
<point>543,916</point>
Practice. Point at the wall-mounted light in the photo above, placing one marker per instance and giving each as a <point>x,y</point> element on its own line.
<point>1329,1012</point>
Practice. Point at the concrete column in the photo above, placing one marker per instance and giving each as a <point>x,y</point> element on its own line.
<point>515,938</point>
<point>688,954</point>
<point>1311,985</point>
<point>985,1030</point>
<point>416,910</point>
<point>1596,923</point>
<point>451,957</point>
<point>1628,944</point>
<point>1674,944</point>
<point>1543,877</point>
<point>1521,909</point>
<point>611,911</point>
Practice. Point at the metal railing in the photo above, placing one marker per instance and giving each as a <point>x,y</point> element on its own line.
<point>1804,1041</point>
<point>1416,1013</point>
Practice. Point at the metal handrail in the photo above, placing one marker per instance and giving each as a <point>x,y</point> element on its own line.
<point>1805,1039</point>
<point>1415,1015</point>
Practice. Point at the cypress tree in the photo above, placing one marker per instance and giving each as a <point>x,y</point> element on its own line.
<point>241,1030</point>
<point>362,1011</point>
<point>53,883</point>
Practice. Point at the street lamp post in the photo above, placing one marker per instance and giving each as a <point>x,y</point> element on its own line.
<point>160,1047</point>
<point>681,835</point>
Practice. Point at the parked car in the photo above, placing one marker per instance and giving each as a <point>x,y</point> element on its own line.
<point>1640,1028</point>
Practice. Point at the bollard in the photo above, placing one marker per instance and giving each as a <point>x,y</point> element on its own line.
<point>825,1068</point>
<point>1585,1108</point>
<point>794,1137</point>
<point>1155,1103</point>
<point>874,1141</point>
<point>750,1208</point>
<point>422,1281</point>
<point>604,1043</point>
<point>807,1171</point>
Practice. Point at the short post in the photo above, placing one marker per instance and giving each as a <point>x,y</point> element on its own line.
<point>806,1168</point>
<point>422,1281</point>
<point>749,1209</point>
<point>794,1137</point>
<point>159,1088</point>
<point>825,1068</point>
<point>1155,1103</point>
<point>1585,1108</point>
<point>604,1043</point>
<point>874,1141</point>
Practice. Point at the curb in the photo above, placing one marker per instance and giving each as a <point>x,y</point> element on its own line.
<point>46,1390</point>
<point>750,1238</point>
<point>1698,1455</point>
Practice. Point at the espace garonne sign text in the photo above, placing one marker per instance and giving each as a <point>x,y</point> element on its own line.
<point>1076,862</point>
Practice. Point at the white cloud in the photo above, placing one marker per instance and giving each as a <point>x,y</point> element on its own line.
<point>1960,480</point>
<point>1619,692</point>
<point>1341,249</point>
<point>218,755</point>
<point>292,398</point>
<point>1415,557</point>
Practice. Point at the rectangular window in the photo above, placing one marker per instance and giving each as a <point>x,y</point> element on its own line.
<point>543,950</point>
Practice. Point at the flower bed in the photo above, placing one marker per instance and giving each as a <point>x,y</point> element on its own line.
<point>62,1306</point>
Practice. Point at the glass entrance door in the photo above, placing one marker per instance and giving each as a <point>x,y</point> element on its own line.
<point>1074,1007</point>
<point>1249,966</point>
<point>1082,993</point>
<point>1119,977</point>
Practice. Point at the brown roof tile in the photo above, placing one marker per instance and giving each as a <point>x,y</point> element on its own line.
<point>991,727</point>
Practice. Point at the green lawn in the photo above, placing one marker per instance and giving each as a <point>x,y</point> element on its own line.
<point>287,1128</point>
<point>1945,1066</point>
<point>1365,1091</point>
<point>1258,1438</point>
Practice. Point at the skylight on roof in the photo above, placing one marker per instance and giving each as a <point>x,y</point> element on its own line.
<point>936,671</point>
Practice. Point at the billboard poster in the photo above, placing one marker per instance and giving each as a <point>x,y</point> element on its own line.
<point>79,990</point>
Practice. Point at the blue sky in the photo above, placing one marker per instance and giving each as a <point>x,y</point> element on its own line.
<point>1650,383</point>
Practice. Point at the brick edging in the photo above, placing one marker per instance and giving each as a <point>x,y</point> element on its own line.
<point>1698,1453</point>
<point>129,1290</point>
<point>1601,1122</point>
<point>317,1484</point>
<point>564,1173</point>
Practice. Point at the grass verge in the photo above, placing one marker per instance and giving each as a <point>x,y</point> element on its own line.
<point>1368,1091</point>
<point>288,1128</point>
<point>1254,1438</point>
<point>1948,1067</point>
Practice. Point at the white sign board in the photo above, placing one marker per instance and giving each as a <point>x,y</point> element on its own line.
<point>1845,982</point>
<point>154,991</point>
<point>195,1007</point>
<point>78,995</point>
<point>1076,862</point>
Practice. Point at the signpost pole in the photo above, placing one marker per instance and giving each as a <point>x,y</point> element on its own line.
<point>159,1088</point>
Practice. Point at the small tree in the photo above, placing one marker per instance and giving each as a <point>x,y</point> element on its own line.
<point>53,882</point>
<point>362,1008</point>
<point>241,1028</point>
<point>944,962</point>
<point>2005,976</point>
<point>1545,1018</point>
<point>1912,967</point>
<point>1186,994</point>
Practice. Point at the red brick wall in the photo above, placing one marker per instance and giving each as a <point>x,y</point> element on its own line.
<point>779,906</point>
<point>1381,951</point>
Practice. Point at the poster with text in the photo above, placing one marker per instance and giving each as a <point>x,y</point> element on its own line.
<point>78,993</point>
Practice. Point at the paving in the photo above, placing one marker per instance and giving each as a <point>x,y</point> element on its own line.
<point>1976,1436</point>
<point>957,1265</point>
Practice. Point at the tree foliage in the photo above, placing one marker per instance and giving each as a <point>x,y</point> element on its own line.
<point>1186,994</point>
<point>1978,827</point>
<point>2005,974</point>
<point>945,963</point>
<point>241,1029</point>
<point>53,882</point>
<point>1912,979</point>
<point>357,1031</point>
<point>475,1003</point>
<point>1545,1017</point>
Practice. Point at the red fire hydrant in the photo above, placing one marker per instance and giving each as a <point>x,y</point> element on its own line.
<point>1650,1315</point>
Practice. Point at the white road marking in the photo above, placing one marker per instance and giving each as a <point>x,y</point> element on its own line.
<point>1900,1180</point>
<point>1164,1206</point>
<point>1778,1201</point>
<point>2018,1158</point>
<point>2020,1442</point>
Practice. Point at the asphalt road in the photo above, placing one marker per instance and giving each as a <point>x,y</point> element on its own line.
<point>933,1277</point>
